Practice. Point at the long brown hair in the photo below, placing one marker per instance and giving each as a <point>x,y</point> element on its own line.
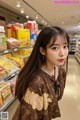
<point>35,61</point>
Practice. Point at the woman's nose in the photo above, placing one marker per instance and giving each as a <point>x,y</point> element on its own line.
<point>61,53</point>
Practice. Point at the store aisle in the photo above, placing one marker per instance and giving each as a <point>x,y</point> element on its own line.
<point>70,104</point>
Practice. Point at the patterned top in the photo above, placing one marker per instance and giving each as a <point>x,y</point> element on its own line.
<point>41,99</point>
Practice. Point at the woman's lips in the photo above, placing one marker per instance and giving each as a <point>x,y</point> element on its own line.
<point>61,60</point>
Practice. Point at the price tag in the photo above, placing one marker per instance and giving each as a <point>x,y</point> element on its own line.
<point>15,49</point>
<point>12,75</point>
<point>6,51</point>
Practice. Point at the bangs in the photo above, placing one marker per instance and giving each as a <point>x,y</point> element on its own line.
<point>53,40</point>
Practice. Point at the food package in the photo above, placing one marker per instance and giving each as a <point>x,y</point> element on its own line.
<point>12,83</point>
<point>32,25</point>
<point>12,43</point>
<point>25,52</point>
<point>11,29</point>
<point>23,35</point>
<point>8,31</point>
<point>1,101</point>
<point>2,30</point>
<point>14,28</point>
<point>3,44</point>
<point>2,21</point>
<point>3,73</point>
<point>5,91</point>
<point>8,66</point>
<point>18,61</point>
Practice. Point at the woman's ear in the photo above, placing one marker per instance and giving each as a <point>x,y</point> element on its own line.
<point>42,51</point>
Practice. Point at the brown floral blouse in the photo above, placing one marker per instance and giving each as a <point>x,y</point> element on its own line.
<point>41,99</point>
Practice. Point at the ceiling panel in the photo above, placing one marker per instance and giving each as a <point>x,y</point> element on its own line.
<point>54,13</point>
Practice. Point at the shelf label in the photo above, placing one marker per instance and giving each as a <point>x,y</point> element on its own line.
<point>6,51</point>
<point>13,75</point>
<point>15,49</point>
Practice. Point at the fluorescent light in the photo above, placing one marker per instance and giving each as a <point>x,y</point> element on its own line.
<point>18,3</point>
<point>27,16</point>
<point>78,26</point>
<point>22,10</point>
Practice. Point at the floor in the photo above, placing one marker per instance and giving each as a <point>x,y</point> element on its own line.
<point>70,104</point>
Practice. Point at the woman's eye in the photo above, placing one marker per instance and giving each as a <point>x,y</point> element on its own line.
<point>54,48</point>
<point>66,46</point>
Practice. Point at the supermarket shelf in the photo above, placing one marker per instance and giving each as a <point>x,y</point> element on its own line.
<point>26,57</point>
<point>14,49</point>
<point>7,104</point>
<point>10,76</point>
<point>78,59</point>
<point>78,51</point>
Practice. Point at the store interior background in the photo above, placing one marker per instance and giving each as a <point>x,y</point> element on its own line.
<point>47,13</point>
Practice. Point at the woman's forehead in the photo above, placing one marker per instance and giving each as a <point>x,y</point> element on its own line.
<point>60,40</point>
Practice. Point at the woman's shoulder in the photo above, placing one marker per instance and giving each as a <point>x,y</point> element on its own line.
<point>35,88</point>
<point>36,85</point>
<point>37,81</point>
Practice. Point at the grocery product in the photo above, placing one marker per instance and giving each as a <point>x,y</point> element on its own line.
<point>8,66</point>
<point>1,101</point>
<point>32,25</point>
<point>18,61</point>
<point>11,29</point>
<point>5,91</point>
<point>3,44</point>
<point>12,83</point>
<point>25,52</point>
<point>3,73</point>
<point>12,43</point>
<point>23,35</point>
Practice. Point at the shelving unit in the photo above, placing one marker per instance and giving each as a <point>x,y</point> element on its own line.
<point>11,76</point>
<point>72,45</point>
<point>77,54</point>
<point>12,98</point>
<point>4,107</point>
<point>13,49</point>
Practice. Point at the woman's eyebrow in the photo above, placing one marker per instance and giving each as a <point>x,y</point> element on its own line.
<point>59,44</point>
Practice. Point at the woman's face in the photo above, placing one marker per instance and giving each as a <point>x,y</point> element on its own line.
<point>57,54</point>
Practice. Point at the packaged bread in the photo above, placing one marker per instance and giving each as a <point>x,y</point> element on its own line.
<point>3,73</point>
<point>5,91</point>
<point>12,43</point>
<point>1,101</point>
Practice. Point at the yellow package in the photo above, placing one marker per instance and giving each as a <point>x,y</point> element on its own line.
<point>23,35</point>
<point>8,66</point>
<point>1,101</point>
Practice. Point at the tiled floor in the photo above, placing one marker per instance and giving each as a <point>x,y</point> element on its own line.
<point>70,104</point>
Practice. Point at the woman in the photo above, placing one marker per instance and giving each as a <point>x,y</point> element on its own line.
<point>41,82</point>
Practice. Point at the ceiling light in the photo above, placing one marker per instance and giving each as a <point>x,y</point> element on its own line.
<point>18,3</point>
<point>78,26</point>
<point>27,16</point>
<point>36,16</point>
<point>22,10</point>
